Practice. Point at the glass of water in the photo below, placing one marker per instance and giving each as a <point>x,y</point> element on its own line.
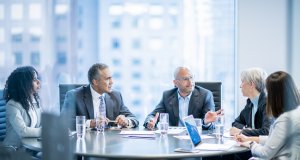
<point>80,126</point>
<point>163,123</point>
<point>198,122</point>
<point>219,126</point>
<point>100,122</point>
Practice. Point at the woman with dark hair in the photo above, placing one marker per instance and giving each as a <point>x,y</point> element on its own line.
<point>23,111</point>
<point>283,97</point>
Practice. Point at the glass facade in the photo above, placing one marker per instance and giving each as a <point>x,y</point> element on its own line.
<point>142,42</point>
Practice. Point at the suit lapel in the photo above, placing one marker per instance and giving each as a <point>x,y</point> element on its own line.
<point>88,101</point>
<point>173,102</point>
<point>109,103</point>
<point>194,101</point>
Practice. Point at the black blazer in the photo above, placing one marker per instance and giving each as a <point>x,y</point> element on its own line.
<point>201,102</point>
<point>262,122</point>
<point>79,102</point>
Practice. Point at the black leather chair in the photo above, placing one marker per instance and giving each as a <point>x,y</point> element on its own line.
<point>2,116</point>
<point>63,89</point>
<point>216,89</point>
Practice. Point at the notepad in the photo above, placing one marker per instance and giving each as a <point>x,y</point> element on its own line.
<point>137,134</point>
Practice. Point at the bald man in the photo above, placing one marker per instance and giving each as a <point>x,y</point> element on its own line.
<point>185,99</point>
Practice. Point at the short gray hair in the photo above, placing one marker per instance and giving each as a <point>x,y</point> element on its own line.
<point>257,76</point>
<point>179,69</point>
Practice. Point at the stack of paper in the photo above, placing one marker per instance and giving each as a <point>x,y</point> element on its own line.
<point>138,134</point>
<point>173,130</point>
<point>216,147</point>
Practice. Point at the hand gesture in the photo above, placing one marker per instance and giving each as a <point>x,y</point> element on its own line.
<point>212,116</point>
<point>151,123</point>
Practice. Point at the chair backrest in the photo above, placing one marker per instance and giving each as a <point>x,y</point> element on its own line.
<point>63,89</point>
<point>55,145</point>
<point>216,89</point>
<point>2,116</point>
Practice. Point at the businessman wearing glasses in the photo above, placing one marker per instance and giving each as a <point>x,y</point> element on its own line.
<point>184,99</point>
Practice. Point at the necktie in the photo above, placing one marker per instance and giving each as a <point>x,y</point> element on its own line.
<point>102,108</point>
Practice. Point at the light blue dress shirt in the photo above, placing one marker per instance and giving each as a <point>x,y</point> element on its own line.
<point>183,104</point>
<point>254,109</point>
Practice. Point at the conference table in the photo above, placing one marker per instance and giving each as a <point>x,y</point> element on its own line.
<point>111,144</point>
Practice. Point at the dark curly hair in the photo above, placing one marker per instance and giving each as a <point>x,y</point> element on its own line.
<point>19,86</point>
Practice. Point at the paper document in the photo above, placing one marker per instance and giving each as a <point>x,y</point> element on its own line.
<point>173,130</point>
<point>227,135</point>
<point>188,137</point>
<point>216,147</point>
<point>137,133</point>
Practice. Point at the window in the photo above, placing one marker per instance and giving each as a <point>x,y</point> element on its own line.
<point>2,35</point>
<point>117,75</point>
<point>35,58</point>
<point>116,62</point>
<point>2,12</point>
<point>17,34</point>
<point>155,44</point>
<point>35,34</point>
<point>2,58</point>
<point>156,23</point>
<point>61,58</point>
<point>116,23</point>
<point>136,43</point>
<point>61,9</point>
<point>115,10</point>
<point>156,10</point>
<point>136,61</point>
<point>35,11</point>
<point>18,58</point>
<point>115,43</point>
<point>136,75</point>
<point>16,11</point>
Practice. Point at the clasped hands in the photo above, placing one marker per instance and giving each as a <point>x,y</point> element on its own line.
<point>121,120</point>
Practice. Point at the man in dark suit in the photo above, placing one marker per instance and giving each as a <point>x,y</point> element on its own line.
<point>185,99</point>
<point>85,100</point>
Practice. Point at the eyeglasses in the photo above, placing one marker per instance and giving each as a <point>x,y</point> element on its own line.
<point>189,78</point>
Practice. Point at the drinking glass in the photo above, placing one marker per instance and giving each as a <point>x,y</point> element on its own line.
<point>80,126</point>
<point>198,122</point>
<point>100,122</point>
<point>219,126</point>
<point>163,123</point>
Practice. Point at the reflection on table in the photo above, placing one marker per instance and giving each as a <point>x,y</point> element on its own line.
<point>111,144</point>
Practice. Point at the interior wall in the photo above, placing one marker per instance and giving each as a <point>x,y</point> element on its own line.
<point>261,37</point>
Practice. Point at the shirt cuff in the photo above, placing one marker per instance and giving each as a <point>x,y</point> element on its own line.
<point>130,124</point>
<point>87,123</point>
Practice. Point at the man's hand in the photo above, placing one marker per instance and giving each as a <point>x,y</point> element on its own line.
<point>233,131</point>
<point>122,121</point>
<point>212,116</point>
<point>92,123</point>
<point>151,123</point>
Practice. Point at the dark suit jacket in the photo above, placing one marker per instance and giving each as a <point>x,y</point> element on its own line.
<point>262,122</point>
<point>201,102</point>
<point>79,102</point>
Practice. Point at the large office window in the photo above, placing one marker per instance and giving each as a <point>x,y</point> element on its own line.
<point>142,42</point>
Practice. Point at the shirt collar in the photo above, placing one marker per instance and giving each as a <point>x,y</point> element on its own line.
<point>184,98</point>
<point>95,94</point>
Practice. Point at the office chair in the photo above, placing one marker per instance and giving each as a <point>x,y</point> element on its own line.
<point>55,145</point>
<point>216,89</point>
<point>2,116</point>
<point>63,89</point>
